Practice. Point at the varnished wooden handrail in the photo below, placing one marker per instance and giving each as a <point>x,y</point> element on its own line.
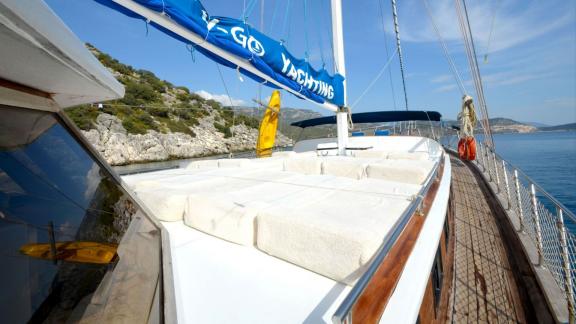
<point>369,296</point>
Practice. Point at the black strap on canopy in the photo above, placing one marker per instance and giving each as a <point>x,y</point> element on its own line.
<point>373,117</point>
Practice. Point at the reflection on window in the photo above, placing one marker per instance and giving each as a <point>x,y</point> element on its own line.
<point>437,278</point>
<point>59,213</point>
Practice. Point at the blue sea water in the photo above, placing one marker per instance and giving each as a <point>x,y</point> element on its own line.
<point>549,158</point>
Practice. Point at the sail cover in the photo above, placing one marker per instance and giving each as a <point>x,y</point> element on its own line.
<point>236,37</point>
<point>374,117</point>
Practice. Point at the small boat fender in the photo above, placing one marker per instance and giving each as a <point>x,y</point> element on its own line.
<point>467,148</point>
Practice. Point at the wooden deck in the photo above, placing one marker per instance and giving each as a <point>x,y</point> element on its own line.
<point>484,288</point>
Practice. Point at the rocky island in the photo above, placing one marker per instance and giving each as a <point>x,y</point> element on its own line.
<point>158,121</point>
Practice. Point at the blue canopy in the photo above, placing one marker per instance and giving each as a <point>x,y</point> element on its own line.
<point>234,36</point>
<point>373,117</point>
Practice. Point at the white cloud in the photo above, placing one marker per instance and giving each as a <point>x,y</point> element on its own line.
<point>442,78</point>
<point>516,22</point>
<point>221,98</point>
<point>446,88</point>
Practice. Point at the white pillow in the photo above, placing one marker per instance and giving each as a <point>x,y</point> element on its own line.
<point>227,220</point>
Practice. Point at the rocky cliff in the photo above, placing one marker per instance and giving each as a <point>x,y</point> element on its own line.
<point>159,121</point>
<point>120,147</point>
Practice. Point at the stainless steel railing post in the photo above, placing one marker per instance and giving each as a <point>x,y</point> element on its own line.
<point>481,157</point>
<point>536,218</point>
<point>568,284</point>
<point>487,151</point>
<point>496,172</point>
<point>507,185</point>
<point>519,201</point>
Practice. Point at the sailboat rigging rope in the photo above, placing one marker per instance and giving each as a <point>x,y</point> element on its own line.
<point>374,80</point>
<point>319,31</point>
<point>229,98</point>
<point>307,43</point>
<point>399,49</point>
<point>466,30</point>
<point>248,9</point>
<point>451,64</point>
<point>274,14</point>
<point>286,26</point>
<point>381,11</point>
<point>261,30</point>
<point>496,6</point>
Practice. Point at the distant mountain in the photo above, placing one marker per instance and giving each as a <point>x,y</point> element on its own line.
<point>502,125</point>
<point>287,117</point>
<point>536,124</point>
<point>506,125</point>
<point>564,127</point>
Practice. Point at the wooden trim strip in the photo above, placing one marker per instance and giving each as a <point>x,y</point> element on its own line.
<point>372,302</point>
<point>22,88</point>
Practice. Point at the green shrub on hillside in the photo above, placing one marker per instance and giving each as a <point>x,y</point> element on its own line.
<point>231,118</point>
<point>248,121</point>
<point>223,129</point>
<point>158,111</point>
<point>113,64</point>
<point>139,94</point>
<point>118,111</point>
<point>183,97</point>
<point>134,127</point>
<point>197,97</point>
<point>168,85</point>
<point>183,89</point>
<point>178,126</point>
<point>150,78</point>
<point>83,116</point>
<point>189,117</point>
<point>214,104</point>
<point>142,109</point>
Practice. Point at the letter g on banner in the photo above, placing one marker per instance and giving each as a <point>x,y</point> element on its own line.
<point>251,43</point>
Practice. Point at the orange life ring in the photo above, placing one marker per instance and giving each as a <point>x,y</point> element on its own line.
<point>467,148</point>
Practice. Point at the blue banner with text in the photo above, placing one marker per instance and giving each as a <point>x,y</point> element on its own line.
<point>236,37</point>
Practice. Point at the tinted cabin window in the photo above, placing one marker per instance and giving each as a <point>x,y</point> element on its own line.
<point>61,219</point>
<point>437,277</point>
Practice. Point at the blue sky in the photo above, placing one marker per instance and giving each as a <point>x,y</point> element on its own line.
<point>530,74</point>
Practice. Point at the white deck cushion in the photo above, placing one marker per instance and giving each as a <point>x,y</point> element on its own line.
<point>304,165</point>
<point>370,154</point>
<point>224,219</point>
<point>421,156</point>
<point>349,168</point>
<point>233,163</point>
<point>166,205</point>
<point>201,164</point>
<point>274,163</point>
<point>330,234</point>
<point>283,154</point>
<point>406,171</point>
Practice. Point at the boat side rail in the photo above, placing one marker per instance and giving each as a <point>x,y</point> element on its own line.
<point>343,314</point>
<point>544,219</point>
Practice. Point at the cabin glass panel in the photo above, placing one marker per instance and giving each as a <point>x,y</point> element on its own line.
<point>437,278</point>
<point>62,218</point>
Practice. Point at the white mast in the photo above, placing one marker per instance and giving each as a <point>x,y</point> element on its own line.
<point>338,44</point>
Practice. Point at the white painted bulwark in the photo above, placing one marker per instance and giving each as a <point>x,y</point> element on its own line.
<point>404,305</point>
